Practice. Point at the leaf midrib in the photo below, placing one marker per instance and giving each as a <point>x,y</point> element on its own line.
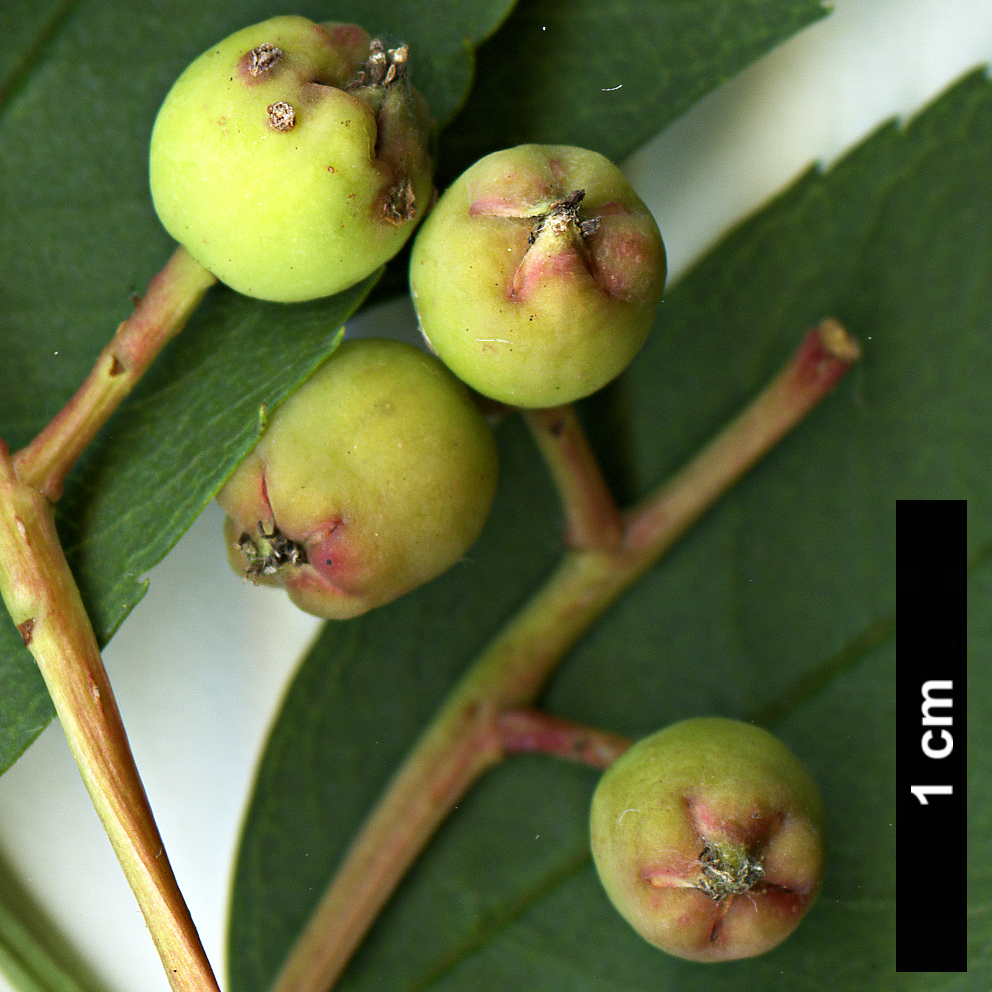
<point>31,57</point>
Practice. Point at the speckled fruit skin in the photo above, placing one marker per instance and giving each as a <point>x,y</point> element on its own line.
<point>709,839</point>
<point>294,204</point>
<point>377,474</point>
<point>530,298</point>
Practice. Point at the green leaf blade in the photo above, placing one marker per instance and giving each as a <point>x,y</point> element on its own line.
<point>162,458</point>
<point>80,237</point>
<point>609,76</point>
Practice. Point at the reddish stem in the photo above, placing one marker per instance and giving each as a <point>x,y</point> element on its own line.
<point>171,298</point>
<point>592,519</point>
<point>526,731</point>
<point>44,603</point>
<point>466,737</point>
<point>825,353</point>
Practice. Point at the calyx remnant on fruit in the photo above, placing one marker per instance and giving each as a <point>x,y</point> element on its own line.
<point>291,158</point>
<point>373,478</point>
<point>267,553</point>
<point>384,66</point>
<point>537,275</point>
<point>708,837</point>
<point>727,870</point>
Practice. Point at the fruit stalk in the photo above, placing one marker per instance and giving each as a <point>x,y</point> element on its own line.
<point>464,739</point>
<point>527,731</point>
<point>592,519</point>
<point>44,603</point>
<point>161,314</point>
<point>824,355</point>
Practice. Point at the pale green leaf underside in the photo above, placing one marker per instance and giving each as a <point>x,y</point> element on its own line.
<point>778,605</point>
<point>32,956</point>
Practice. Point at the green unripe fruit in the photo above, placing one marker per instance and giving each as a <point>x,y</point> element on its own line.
<point>709,839</point>
<point>373,478</point>
<point>537,275</point>
<point>291,158</point>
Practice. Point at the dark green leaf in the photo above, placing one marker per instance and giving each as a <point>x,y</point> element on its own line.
<point>162,458</point>
<point>608,76</point>
<point>79,88</point>
<point>83,85</point>
<point>778,605</point>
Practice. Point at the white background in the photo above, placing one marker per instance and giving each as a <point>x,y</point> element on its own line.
<point>200,665</point>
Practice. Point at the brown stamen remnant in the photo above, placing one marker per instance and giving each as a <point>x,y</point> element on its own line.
<point>269,552</point>
<point>726,872</point>
<point>385,66</point>
<point>561,214</point>
<point>568,206</point>
<point>588,227</point>
<point>282,116</point>
<point>263,58</point>
<point>401,204</point>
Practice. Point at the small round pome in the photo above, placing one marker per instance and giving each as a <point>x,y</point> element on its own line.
<point>279,155</point>
<point>709,839</point>
<point>374,477</point>
<point>537,276</point>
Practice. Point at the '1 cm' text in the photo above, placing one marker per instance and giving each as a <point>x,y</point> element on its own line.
<point>935,744</point>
